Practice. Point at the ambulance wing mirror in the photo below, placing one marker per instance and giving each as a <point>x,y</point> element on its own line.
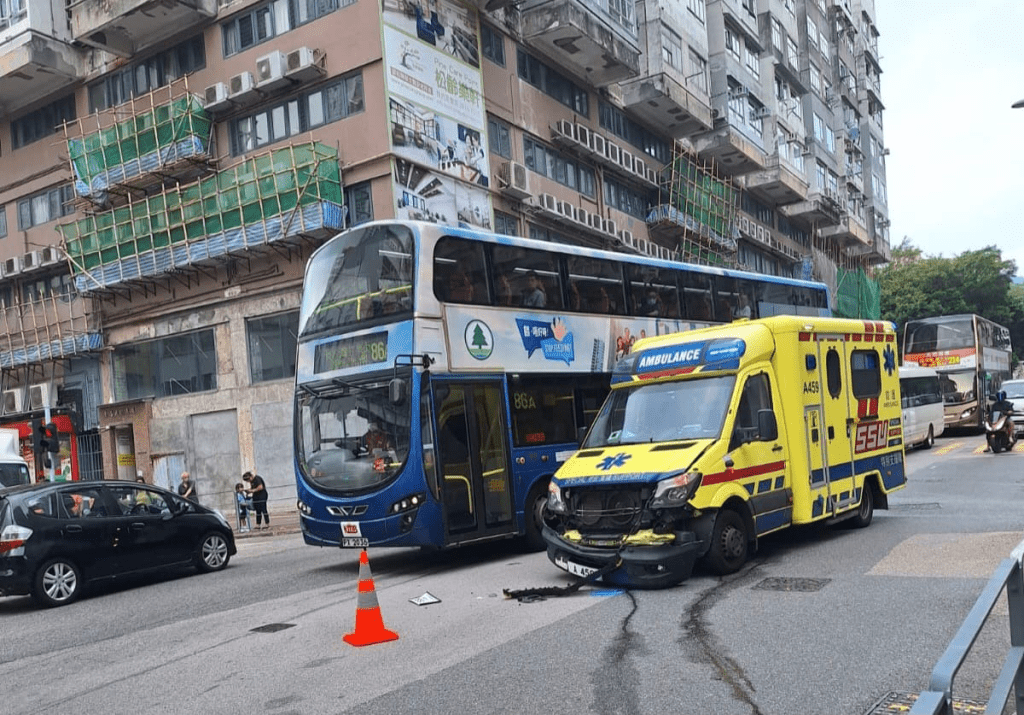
<point>767,427</point>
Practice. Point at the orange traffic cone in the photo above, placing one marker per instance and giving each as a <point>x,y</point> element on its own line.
<point>369,624</point>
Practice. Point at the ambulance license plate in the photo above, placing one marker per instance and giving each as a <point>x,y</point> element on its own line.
<point>354,542</point>
<point>574,568</point>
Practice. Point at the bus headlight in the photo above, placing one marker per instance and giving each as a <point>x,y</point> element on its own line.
<point>675,491</point>
<point>556,505</point>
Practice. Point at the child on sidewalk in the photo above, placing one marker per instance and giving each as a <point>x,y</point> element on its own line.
<point>243,508</point>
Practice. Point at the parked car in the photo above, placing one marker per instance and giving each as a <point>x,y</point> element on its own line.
<point>58,538</point>
<point>1015,394</point>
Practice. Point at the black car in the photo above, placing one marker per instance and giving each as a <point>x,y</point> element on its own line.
<point>56,538</point>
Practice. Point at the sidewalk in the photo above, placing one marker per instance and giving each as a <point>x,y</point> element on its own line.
<point>280,523</point>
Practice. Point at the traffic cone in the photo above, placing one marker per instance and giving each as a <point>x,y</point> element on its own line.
<point>369,624</point>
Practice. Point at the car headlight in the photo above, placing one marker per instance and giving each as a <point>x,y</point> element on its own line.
<point>556,504</point>
<point>675,491</point>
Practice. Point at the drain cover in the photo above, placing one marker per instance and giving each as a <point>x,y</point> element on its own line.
<point>892,703</point>
<point>273,627</point>
<point>782,583</point>
<point>924,506</point>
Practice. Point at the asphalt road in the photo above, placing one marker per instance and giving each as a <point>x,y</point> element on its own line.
<point>822,620</point>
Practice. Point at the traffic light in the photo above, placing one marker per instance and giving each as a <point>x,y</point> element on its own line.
<point>52,438</point>
<point>38,437</point>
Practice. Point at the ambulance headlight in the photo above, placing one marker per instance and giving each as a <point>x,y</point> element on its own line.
<point>556,504</point>
<point>675,491</point>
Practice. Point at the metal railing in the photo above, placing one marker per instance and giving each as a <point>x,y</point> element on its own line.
<point>938,699</point>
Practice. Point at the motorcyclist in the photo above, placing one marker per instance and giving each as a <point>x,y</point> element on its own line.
<point>1004,408</point>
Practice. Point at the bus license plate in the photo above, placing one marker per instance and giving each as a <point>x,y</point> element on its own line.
<point>354,542</point>
<point>574,568</point>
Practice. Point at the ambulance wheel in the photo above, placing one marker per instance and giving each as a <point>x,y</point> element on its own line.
<point>866,509</point>
<point>729,543</point>
<point>930,439</point>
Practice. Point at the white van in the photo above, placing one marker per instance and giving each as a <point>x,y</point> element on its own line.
<point>922,406</point>
<point>13,468</point>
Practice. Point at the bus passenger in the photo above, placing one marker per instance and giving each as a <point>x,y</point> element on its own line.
<point>460,290</point>
<point>534,297</point>
<point>503,291</point>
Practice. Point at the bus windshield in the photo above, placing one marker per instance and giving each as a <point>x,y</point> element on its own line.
<point>957,387</point>
<point>350,437</point>
<point>663,412</point>
<point>930,336</point>
<point>365,275</point>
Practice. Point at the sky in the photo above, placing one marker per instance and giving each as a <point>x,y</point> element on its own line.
<point>955,172</point>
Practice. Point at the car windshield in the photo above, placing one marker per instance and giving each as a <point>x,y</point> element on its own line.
<point>12,475</point>
<point>351,437</point>
<point>1014,389</point>
<point>664,412</point>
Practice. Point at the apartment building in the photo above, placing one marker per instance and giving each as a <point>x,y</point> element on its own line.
<point>169,167</point>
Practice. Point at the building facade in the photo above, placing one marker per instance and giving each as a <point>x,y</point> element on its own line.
<point>170,166</point>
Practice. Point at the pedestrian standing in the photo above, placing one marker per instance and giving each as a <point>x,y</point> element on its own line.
<point>243,508</point>
<point>187,488</point>
<point>257,491</point>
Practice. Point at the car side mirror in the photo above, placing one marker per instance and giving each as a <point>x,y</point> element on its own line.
<point>767,427</point>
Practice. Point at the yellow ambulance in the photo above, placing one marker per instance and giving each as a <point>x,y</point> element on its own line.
<point>715,437</point>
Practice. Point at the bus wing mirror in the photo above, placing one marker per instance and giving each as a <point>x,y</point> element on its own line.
<point>396,391</point>
<point>767,427</point>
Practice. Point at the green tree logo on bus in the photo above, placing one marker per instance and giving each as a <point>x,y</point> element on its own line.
<point>479,339</point>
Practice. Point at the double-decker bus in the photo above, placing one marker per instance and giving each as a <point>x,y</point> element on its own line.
<point>443,374</point>
<point>971,355</point>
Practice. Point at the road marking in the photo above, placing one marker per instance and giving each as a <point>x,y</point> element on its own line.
<point>946,449</point>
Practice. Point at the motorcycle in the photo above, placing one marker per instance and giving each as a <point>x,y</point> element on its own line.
<point>1000,432</point>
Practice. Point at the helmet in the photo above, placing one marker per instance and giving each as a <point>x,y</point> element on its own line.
<point>1001,395</point>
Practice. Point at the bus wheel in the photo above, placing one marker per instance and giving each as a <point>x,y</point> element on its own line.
<point>866,509</point>
<point>729,543</point>
<point>930,439</point>
<point>535,502</point>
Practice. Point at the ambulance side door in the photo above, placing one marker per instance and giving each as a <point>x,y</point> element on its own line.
<point>839,424</point>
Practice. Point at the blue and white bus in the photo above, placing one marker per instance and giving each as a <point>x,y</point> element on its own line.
<point>444,374</point>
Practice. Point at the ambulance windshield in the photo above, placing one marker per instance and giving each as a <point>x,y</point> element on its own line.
<point>663,412</point>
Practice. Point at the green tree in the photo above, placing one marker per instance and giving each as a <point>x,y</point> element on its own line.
<point>914,285</point>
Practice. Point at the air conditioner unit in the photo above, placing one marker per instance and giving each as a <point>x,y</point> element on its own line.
<point>597,143</point>
<point>303,64</point>
<point>514,179</point>
<point>612,152</point>
<point>652,176</point>
<point>744,225</point>
<point>738,91</point>
<point>627,238</point>
<point>270,71</point>
<point>50,254</point>
<point>242,88</point>
<point>39,396</point>
<point>760,234</point>
<point>548,204</point>
<point>216,97</point>
<point>596,222</point>
<point>609,227</point>
<point>583,216</point>
<point>567,211</point>
<point>583,136</point>
<point>12,266</point>
<point>642,245</point>
<point>31,260</point>
<point>640,167</point>
<point>563,132</point>
<point>626,160</point>
<point>14,401</point>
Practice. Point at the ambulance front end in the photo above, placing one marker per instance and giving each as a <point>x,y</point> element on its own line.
<point>623,504</point>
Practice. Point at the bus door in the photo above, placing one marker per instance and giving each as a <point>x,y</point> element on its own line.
<point>472,447</point>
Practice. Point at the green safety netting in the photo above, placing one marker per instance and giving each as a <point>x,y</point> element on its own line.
<point>857,295</point>
<point>136,147</point>
<point>248,204</point>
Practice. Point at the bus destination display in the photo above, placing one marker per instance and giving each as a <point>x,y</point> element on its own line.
<point>351,352</point>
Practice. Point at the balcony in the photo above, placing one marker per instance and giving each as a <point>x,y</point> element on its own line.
<point>732,150</point>
<point>585,39</point>
<point>663,100</point>
<point>819,207</point>
<point>34,66</point>
<point>850,232</point>
<point>127,27</point>
<point>47,328</point>
<point>779,182</point>
<point>274,200</point>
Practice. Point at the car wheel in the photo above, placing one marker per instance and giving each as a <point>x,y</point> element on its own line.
<point>729,543</point>
<point>866,510</point>
<point>57,583</point>
<point>534,541</point>
<point>930,439</point>
<point>212,552</point>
